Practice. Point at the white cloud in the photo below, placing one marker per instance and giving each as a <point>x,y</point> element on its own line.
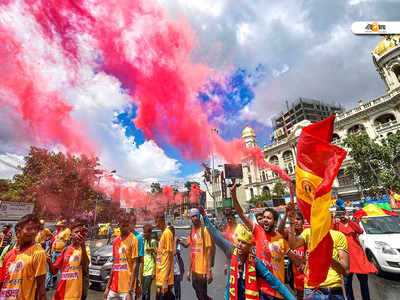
<point>96,99</point>
<point>278,72</point>
<point>306,47</point>
<point>10,165</point>
<point>96,103</point>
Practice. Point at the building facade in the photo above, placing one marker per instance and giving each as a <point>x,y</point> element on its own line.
<point>301,109</point>
<point>378,117</point>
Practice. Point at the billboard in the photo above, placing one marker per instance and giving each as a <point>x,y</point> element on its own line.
<point>11,211</point>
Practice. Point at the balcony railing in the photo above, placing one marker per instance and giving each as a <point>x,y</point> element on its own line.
<point>369,104</point>
<point>387,126</point>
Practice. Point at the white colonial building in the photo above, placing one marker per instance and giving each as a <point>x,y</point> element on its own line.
<point>378,117</point>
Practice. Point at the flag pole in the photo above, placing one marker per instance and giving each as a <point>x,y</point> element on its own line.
<point>291,192</point>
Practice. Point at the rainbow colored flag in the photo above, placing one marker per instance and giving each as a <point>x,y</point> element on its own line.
<point>372,210</point>
<point>318,162</point>
<point>395,196</point>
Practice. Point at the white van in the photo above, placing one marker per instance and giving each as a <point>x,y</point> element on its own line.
<point>381,242</point>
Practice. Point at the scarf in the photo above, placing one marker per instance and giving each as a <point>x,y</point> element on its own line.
<point>251,287</point>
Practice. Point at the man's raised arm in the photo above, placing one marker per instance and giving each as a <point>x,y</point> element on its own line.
<point>239,209</point>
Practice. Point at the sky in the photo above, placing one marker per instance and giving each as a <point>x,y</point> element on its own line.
<point>235,63</point>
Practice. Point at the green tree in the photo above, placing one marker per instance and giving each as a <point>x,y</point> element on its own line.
<point>55,182</point>
<point>375,165</point>
<point>260,199</point>
<point>156,188</point>
<point>188,185</point>
<point>279,189</point>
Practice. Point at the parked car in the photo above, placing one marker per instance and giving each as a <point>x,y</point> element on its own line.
<point>100,265</point>
<point>102,260</point>
<point>381,242</point>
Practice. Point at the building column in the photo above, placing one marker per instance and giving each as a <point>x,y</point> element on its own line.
<point>396,111</point>
<point>369,127</point>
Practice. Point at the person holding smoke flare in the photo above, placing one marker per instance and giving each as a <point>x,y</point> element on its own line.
<point>244,270</point>
<point>73,263</point>
<point>270,246</point>
<point>23,272</point>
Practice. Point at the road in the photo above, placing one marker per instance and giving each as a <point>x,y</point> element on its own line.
<point>382,288</point>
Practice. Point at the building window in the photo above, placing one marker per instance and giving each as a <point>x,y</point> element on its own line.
<point>383,119</point>
<point>344,179</point>
<point>250,180</point>
<point>274,160</point>
<point>288,161</point>
<point>251,193</point>
<point>356,129</point>
<point>396,71</point>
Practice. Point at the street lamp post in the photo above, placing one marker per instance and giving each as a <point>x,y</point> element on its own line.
<point>213,131</point>
<point>97,198</point>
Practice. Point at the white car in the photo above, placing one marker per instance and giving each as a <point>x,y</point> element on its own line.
<point>381,242</point>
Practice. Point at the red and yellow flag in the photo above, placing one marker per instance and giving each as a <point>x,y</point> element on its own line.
<point>318,162</point>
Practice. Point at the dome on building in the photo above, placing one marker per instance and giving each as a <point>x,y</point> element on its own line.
<point>388,42</point>
<point>248,131</point>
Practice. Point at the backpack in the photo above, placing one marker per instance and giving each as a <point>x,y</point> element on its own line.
<point>180,263</point>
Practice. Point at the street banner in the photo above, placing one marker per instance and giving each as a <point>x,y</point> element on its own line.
<point>12,211</point>
<point>318,162</point>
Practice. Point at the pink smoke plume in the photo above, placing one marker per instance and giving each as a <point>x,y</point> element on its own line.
<point>150,54</point>
<point>195,193</point>
<point>46,113</point>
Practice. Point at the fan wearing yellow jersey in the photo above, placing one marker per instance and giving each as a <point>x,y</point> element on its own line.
<point>23,272</point>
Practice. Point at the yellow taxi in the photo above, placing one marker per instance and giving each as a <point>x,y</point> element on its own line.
<point>103,229</point>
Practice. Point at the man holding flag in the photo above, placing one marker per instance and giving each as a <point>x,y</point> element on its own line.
<point>318,162</point>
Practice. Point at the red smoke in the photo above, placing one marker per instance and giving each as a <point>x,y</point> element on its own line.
<point>195,193</point>
<point>151,56</point>
<point>46,114</point>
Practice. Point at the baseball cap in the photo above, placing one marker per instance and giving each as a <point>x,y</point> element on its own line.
<point>194,212</point>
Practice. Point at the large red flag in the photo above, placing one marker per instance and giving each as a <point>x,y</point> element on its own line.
<point>318,162</point>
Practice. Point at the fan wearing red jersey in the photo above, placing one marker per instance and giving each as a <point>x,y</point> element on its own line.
<point>121,284</point>
<point>23,272</point>
<point>298,255</point>
<point>270,246</point>
<point>72,262</point>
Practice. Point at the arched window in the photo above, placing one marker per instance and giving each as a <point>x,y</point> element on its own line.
<point>274,160</point>
<point>288,161</point>
<point>386,118</point>
<point>356,129</point>
<point>251,193</point>
<point>335,137</point>
<point>396,71</point>
<point>267,190</point>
